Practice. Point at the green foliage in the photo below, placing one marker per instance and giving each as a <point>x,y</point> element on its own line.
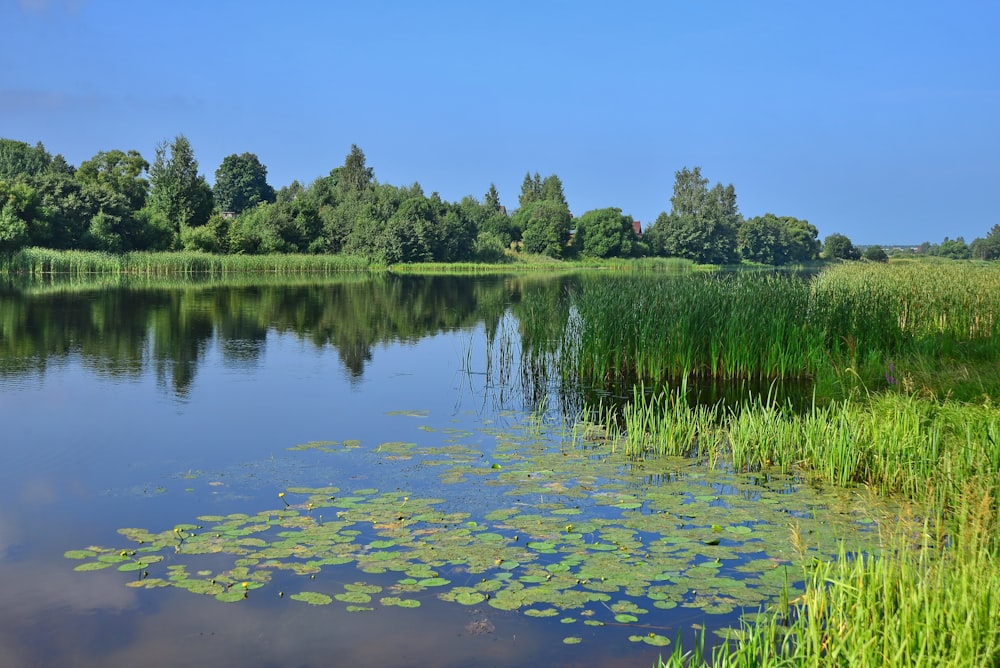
<point>267,228</point>
<point>355,176</point>
<point>954,249</point>
<point>769,239</point>
<point>536,189</point>
<point>531,190</point>
<point>119,173</point>
<point>19,159</point>
<point>492,199</point>
<point>605,233</point>
<point>987,248</point>
<point>838,246</point>
<point>20,215</point>
<point>545,227</point>
<point>241,183</point>
<point>552,190</point>
<point>875,254</point>
<point>178,192</point>
<point>702,224</point>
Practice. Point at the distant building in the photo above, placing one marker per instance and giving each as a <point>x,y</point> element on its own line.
<point>637,228</point>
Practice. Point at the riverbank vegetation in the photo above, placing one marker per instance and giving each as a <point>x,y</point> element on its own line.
<point>117,202</point>
<point>909,353</point>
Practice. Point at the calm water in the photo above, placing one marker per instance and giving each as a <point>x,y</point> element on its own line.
<point>144,406</point>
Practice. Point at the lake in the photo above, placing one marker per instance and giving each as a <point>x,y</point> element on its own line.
<point>363,470</point>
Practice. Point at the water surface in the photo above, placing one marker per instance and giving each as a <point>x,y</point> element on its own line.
<point>143,406</point>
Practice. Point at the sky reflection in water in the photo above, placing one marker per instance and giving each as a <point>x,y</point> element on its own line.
<point>184,416</point>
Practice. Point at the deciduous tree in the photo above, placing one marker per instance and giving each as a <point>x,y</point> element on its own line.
<point>118,172</point>
<point>20,159</point>
<point>241,183</point>
<point>702,224</point>
<point>178,192</point>
<point>605,233</point>
<point>545,227</point>
<point>987,248</point>
<point>840,247</point>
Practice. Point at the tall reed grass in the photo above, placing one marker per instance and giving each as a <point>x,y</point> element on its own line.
<point>894,443</point>
<point>929,598</point>
<point>847,326</point>
<point>37,262</point>
<point>726,325</point>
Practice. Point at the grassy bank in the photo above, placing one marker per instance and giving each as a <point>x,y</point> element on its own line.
<point>41,262</point>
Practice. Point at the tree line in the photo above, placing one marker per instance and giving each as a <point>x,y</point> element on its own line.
<point>119,202</point>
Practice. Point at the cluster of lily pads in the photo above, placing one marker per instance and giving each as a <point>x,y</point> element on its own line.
<point>559,529</point>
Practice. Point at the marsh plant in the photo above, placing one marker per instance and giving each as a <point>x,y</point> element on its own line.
<point>840,329</point>
<point>929,599</point>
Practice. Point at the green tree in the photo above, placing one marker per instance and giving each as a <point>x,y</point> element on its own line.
<point>545,226</point>
<point>802,239</point>
<point>552,190</point>
<point>531,189</point>
<point>494,231</point>
<point>840,247</point>
<point>60,166</point>
<point>702,224</point>
<point>67,206</point>
<point>492,199</point>
<point>120,173</point>
<point>761,239</point>
<point>355,176</point>
<point>178,192</point>
<point>875,254</point>
<point>605,233</point>
<point>955,249</point>
<point>690,193</point>
<point>241,183</point>
<point>987,248</point>
<point>266,228</point>
<point>20,159</point>
<point>20,213</point>
<point>775,240</point>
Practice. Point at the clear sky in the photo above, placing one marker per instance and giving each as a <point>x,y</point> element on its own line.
<point>876,119</point>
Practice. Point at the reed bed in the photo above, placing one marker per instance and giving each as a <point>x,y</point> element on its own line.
<point>725,326</point>
<point>928,599</point>
<point>39,262</point>
<point>941,303</point>
<point>847,327</point>
<point>894,443</point>
<point>75,283</point>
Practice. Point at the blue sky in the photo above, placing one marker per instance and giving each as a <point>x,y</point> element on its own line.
<point>878,120</point>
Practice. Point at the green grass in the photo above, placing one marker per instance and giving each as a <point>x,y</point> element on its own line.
<point>666,326</point>
<point>39,262</point>
<point>929,598</point>
<point>852,328</point>
<point>892,442</point>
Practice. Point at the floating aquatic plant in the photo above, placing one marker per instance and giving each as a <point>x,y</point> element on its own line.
<point>570,530</point>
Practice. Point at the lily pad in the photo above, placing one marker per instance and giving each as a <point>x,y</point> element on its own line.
<point>470,598</point>
<point>312,598</point>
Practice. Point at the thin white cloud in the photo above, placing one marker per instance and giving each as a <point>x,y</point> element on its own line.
<point>44,6</point>
<point>33,100</point>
